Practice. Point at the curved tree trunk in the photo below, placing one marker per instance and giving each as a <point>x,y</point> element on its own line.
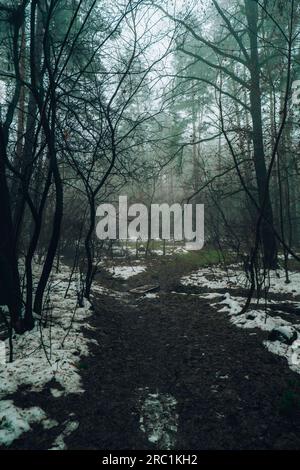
<point>58,214</point>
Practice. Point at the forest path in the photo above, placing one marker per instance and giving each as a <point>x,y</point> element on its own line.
<point>174,361</point>
<point>230,392</point>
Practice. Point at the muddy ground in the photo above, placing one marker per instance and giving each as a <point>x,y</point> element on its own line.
<point>231,393</point>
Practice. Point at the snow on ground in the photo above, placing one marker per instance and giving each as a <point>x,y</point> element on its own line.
<point>70,427</point>
<point>283,330</point>
<point>232,305</point>
<point>42,354</point>
<point>15,421</point>
<point>180,250</point>
<point>211,295</point>
<point>151,295</point>
<point>290,352</point>
<point>278,284</point>
<point>98,289</point>
<point>258,319</point>
<point>218,278</point>
<point>158,419</point>
<point>125,272</point>
<point>157,252</point>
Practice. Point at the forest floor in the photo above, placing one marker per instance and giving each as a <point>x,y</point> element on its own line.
<point>169,370</point>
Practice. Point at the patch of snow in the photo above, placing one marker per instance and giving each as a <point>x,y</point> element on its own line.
<point>278,284</point>
<point>42,354</point>
<point>284,333</point>
<point>287,331</point>
<point>290,352</point>
<point>49,423</point>
<point>252,318</point>
<point>56,393</point>
<point>125,272</point>
<point>15,421</point>
<point>62,340</point>
<point>232,305</point>
<point>157,252</point>
<point>159,420</point>
<point>180,250</point>
<point>98,289</point>
<point>59,443</point>
<point>4,309</point>
<point>211,295</point>
<point>151,295</point>
<point>214,279</point>
<point>218,278</point>
<point>260,319</point>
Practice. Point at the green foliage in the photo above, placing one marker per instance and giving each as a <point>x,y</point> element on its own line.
<point>205,257</point>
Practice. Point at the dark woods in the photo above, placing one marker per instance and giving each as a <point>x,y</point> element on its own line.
<point>88,108</point>
<point>57,90</point>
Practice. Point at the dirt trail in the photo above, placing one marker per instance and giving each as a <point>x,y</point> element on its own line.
<point>213,386</point>
<point>231,393</point>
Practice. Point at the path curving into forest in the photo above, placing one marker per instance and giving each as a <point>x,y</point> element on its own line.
<point>229,390</point>
<point>213,385</point>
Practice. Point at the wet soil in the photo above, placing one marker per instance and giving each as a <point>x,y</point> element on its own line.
<point>231,392</point>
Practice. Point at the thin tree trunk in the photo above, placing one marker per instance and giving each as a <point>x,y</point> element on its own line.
<point>21,110</point>
<point>29,142</point>
<point>90,272</point>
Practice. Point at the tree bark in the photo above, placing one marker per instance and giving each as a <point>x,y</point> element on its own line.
<point>10,291</point>
<point>268,239</point>
<point>25,164</point>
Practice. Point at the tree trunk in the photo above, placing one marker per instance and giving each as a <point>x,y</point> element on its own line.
<point>90,270</point>
<point>58,215</point>
<point>25,164</point>
<point>268,239</point>
<point>21,109</point>
<point>10,290</point>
